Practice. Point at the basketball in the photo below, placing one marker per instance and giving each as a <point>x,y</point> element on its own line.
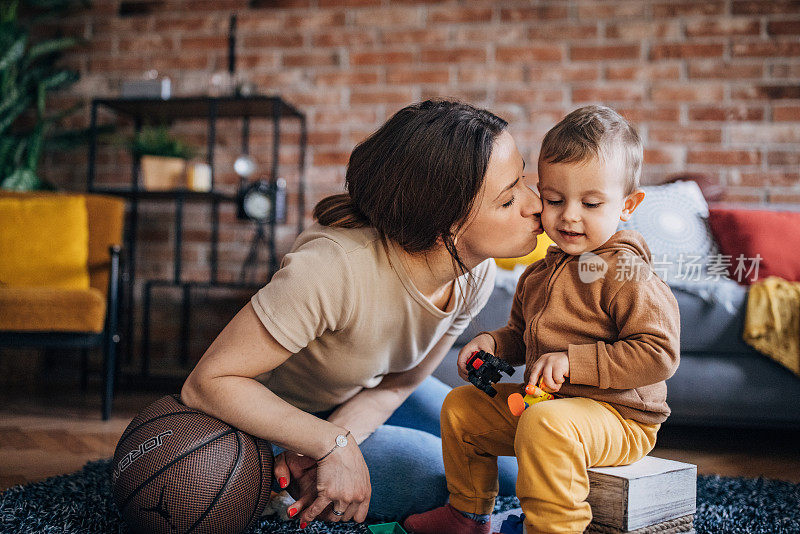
<point>177,469</point>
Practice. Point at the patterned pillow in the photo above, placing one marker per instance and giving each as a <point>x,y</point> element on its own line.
<point>673,218</point>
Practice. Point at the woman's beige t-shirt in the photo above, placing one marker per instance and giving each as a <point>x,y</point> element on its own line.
<point>345,307</point>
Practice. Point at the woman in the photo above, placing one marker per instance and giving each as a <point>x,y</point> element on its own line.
<point>365,307</point>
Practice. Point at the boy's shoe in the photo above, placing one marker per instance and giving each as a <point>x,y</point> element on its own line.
<point>445,520</point>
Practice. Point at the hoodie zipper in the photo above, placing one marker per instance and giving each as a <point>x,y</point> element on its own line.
<point>548,287</point>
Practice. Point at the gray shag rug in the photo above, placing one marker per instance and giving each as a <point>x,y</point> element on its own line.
<point>81,502</point>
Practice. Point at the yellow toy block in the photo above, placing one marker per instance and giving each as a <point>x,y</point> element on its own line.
<point>517,403</point>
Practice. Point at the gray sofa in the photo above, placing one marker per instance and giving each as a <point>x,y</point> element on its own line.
<point>721,381</point>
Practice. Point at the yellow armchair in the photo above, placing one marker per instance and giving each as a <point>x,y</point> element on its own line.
<point>59,274</point>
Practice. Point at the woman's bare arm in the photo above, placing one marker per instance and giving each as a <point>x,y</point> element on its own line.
<point>370,408</point>
<point>223,385</point>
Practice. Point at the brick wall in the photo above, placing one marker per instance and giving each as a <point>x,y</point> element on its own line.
<point>714,86</point>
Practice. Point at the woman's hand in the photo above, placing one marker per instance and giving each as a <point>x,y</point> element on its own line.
<point>553,367</point>
<point>483,342</point>
<point>339,482</point>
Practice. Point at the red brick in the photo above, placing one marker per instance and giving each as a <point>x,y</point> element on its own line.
<point>685,9</point>
<point>607,10</point>
<point>564,73</point>
<point>529,96</point>
<point>785,71</point>
<point>650,114</point>
<point>723,157</point>
<point>605,52</point>
<point>331,157</point>
<point>783,27</point>
<point>637,30</point>
<point>786,113</point>
<point>784,198</point>
<point>314,97</point>
<point>722,27</point>
<point>185,22</point>
<point>622,93</point>
<point>533,13</point>
<point>274,39</point>
<point>459,14</point>
<point>344,37</point>
<point>687,93</point>
<point>427,36</point>
<point>342,117</point>
<point>651,71</point>
<point>766,49</point>
<point>662,156</point>
<point>483,75</point>
<point>726,70</point>
<point>764,133</point>
<point>380,58</point>
<point>179,63</point>
<point>394,96</point>
<point>735,196</point>
<point>783,157</point>
<point>773,178</point>
<point>204,43</point>
<point>452,55</point>
<point>563,31</point>
<point>348,78</point>
<point>417,75</point>
<point>310,19</point>
<point>764,7</point>
<point>310,59</point>
<point>471,34</point>
<point>726,113</point>
<point>673,51</point>
<point>388,17</point>
<point>122,64</point>
<point>528,54</point>
<point>769,92</point>
<point>685,135</point>
<point>348,3</point>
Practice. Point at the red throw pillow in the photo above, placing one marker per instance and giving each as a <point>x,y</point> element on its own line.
<point>772,235</point>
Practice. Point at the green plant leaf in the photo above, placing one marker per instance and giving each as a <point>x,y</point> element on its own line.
<point>14,53</point>
<point>22,180</point>
<point>49,47</point>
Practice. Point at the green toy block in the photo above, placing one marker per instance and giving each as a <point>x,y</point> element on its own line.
<point>386,528</point>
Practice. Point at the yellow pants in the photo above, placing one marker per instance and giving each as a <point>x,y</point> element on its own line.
<point>554,442</point>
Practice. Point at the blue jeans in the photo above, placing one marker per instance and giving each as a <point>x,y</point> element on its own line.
<point>404,457</point>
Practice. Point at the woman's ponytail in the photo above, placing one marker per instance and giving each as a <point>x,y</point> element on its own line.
<point>340,212</point>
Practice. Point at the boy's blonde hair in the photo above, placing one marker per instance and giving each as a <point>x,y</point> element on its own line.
<point>595,131</point>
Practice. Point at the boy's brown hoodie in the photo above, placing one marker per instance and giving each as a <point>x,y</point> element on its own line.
<point>621,330</point>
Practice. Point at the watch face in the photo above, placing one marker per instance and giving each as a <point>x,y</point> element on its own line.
<point>257,205</point>
<point>341,441</point>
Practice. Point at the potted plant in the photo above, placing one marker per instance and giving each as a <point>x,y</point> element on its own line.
<point>162,158</point>
<point>28,72</point>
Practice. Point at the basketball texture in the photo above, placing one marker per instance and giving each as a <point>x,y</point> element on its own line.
<point>180,470</point>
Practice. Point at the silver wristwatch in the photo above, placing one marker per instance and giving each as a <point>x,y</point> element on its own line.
<point>341,441</point>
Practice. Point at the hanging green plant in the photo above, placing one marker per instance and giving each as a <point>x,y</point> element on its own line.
<point>28,72</point>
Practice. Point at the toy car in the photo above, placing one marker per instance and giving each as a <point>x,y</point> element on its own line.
<point>484,370</point>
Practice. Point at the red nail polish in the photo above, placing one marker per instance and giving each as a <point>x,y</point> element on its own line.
<point>303,524</point>
<point>292,511</point>
<point>283,482</point>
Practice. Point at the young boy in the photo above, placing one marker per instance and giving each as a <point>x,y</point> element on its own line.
<point>592,321</point>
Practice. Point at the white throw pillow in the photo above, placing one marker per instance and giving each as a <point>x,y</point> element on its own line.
<point>673,218</point>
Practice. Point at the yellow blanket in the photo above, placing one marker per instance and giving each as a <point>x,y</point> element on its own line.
<point>772,322</point>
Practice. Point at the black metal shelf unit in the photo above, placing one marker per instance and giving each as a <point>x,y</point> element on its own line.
<point>147,110</point>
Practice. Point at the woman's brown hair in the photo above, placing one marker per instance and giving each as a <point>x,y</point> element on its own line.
<point>416,178</point>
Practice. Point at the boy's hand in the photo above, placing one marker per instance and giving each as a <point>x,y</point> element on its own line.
<point>553,367</point>
<point>483,342</point>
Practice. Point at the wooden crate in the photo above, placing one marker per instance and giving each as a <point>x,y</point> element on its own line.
<point>646,493</point>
